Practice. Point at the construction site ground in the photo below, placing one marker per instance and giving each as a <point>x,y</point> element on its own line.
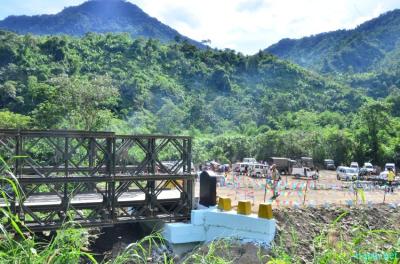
<point>326,191</point>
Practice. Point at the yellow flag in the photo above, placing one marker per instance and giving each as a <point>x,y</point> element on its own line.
<point>361,193</point>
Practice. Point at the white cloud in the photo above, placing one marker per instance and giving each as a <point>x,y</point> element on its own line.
<point>250,25</point>
<point>244,25</point>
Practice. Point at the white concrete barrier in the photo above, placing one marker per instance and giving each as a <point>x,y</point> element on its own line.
<point>210,224</point>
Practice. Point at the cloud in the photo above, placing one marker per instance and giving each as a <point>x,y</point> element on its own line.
<point>244,25</point>
<point>251,25</point>
<point>178,15</point>
<point>251,5</point>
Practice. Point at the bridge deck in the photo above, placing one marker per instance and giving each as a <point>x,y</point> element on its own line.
<point>91,198</point>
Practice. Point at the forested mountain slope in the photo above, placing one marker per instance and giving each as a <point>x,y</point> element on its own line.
<point>234,105</point>
<point>206,89</point>
<point>371,46</point>
<point>101,16</point>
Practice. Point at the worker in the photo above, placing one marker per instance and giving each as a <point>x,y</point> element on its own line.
<point>390,179</point>
<point>275,178</point>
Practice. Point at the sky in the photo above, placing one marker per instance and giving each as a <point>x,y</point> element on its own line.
<point>243,25</point>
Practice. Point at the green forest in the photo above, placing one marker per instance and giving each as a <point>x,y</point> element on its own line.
<point>234,105</point>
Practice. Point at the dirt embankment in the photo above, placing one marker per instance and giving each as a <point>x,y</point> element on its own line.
<point>300,231</point>
<point>304,234</point>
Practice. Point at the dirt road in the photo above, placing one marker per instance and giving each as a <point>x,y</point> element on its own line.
<point>327,190</point>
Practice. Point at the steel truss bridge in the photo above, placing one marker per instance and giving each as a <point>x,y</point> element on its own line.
<point>94,179</point>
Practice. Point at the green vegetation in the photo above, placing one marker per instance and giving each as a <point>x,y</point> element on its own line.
<point>234,105</point>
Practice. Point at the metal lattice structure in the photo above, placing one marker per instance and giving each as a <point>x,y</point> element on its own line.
<point>95,178</point>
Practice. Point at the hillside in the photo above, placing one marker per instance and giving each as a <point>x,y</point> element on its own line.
<point>203,87</point>
<point>234,105</point>
<point>369,47</point>
<point>99,16</point>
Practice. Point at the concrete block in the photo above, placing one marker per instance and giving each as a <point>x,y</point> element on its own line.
<point>224,203</point>
<point>221,232</point>
<point>235,221</point>
<point>197,216</point>
<point>244,207</point>
<point>265,211</point>
<point>177,233</point>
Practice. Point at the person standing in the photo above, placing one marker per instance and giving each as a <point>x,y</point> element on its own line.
<point>275,178</point>
<point>390,179</point>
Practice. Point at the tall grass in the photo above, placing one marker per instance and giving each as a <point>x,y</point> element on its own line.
<point>19,245</point>
<point>143,252</point>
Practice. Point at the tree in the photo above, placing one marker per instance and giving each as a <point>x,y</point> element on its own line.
<point>86,101</point>
<point>374,118</point>
<point>9,120</point>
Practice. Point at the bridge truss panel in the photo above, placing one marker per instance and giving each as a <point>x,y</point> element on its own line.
<point>95,178</point>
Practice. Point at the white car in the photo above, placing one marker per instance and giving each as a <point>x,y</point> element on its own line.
<point>354,165</point>
<point>368,166</point>
<point>346,173</point>
<point>383,175</point>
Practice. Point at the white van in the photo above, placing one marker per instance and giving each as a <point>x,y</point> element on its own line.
<point>390,165</point>
<point>354,165</point>
<point>240,167</point>
<point>305,172</point>
<point>258,170</point>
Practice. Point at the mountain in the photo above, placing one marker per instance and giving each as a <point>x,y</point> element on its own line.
<point>100,16</point>
<point>368,47</point>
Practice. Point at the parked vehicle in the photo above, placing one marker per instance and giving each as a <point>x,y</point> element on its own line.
<point>241,167</point>
<point>383,175</point>
<point>346,173</point>
<point>329,164</point>
<point>370,169</point>
<point>283,165</point>
<point>258,170</point>
<point>305,172</point>
<point>307,162</point>
<point>390,165</point>
<point>354,165</point>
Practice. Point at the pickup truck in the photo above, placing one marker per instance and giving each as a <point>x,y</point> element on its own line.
<point>305,172</point>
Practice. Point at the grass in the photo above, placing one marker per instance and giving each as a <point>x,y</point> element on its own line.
<point>22,247</point>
